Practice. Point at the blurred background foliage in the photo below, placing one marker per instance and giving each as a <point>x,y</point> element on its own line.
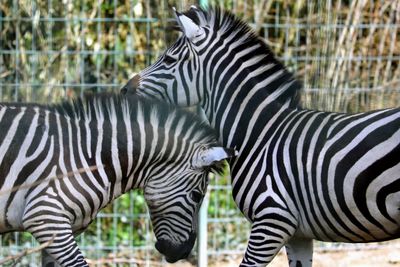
<point>347,53</point>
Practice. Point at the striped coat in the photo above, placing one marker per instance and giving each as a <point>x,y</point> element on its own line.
<point>300,174</point>
<point>60,165</point>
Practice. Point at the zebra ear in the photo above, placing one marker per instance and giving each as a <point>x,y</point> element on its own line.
<point>189,28</point>
<point>211,156</point>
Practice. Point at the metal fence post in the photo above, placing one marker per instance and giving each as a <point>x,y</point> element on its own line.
<point>202,231</point>
<point>202,260</point>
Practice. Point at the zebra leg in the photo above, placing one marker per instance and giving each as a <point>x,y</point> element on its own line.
<point>62,248</point>
<point>299,252</point>
<point>264,243</point>
<point>57,234</point>
<point>48,261</point>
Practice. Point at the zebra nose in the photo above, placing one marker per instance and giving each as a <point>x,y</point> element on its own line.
<point>174,252</point>
<point>131,85</point>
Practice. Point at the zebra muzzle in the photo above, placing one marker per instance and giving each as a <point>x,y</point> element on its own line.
<point>174,252</point>
<point>131,85</point>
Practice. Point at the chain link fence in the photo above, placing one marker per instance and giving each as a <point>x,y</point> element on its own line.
<point>347,53</point>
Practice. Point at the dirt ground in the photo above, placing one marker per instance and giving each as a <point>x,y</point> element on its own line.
<point>387,255</point>
<point>384,257</point>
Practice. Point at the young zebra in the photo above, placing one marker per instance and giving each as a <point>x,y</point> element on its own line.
<point>300,174</point>
<point>131,142</point>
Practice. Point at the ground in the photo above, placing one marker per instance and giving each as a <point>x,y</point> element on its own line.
<point>386,255</point>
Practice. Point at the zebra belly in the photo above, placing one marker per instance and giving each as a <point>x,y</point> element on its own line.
<point>12,207</point>
<point>381,222</point>
<point>11,218</point>
<point>374,235</point>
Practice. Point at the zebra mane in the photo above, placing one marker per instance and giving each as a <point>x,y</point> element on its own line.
<point>227,24</point>
<point>111,105</point>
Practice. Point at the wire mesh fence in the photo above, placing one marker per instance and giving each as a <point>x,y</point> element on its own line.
<point>347,53</point>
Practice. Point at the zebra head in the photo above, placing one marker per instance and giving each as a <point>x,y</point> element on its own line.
<point>175,76</point>
<point>174,194</point>
<point>216,56</point>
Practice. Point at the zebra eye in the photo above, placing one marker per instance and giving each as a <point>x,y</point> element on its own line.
<point>196,196</point>
<point>169,60</point>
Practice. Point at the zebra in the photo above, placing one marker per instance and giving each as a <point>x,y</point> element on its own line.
<point>300,175</point>
<point>61,164</point>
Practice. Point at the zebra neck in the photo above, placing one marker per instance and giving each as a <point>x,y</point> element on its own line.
<point>136,153</point>
<point>239,111</point>
<point>121,154</point>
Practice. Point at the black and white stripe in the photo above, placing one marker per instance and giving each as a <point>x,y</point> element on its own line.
<point>99,148</point>
<point>300,174</point>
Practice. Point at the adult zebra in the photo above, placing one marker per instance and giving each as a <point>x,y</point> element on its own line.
<point>300,174</point>
<point>133,143</point>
